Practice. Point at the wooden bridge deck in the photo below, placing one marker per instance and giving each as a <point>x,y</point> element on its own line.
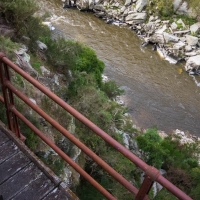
<point>22,176</point>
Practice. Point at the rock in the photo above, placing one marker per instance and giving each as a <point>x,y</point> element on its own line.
<point>170,38</point>
<point>180,21</point>
<point>136,16</point>
<point>99,7</point>
<point>140,4</point>
<point>177,4</point>
<point>191,40</point>
<point>128,2</point>
<point>191,53</point>
<point>179,45</point>
<point>195,28</point>
<point>157,38</point>
<point>162,29</point>
<point>6,31</point>
<point>41,46</point>
<point>123,8</point>
<point>174,26</point>
<point>151,18</point>
<point>44,71</point>
<point>193,63</point>
<point>188,48</point>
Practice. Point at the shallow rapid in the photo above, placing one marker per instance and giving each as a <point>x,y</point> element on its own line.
<point>157,93</point>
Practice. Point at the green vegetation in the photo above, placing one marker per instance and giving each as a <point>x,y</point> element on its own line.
<point>7,46</point>
<point>87,93</point>
<point>180,161</point>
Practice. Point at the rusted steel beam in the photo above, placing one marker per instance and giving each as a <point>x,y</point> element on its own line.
<point>63,155</point>
<point>74,140</point>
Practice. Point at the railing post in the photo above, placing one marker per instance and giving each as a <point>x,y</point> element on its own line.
<point>151,175</point>
<point>8,99</point>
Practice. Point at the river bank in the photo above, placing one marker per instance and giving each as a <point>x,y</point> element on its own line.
<point>176,38</point>
<point>158,93</point>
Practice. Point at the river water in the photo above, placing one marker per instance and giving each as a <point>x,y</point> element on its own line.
<point>157,93</point>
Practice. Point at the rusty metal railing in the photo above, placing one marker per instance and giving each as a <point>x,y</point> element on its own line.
<point>151,173</point>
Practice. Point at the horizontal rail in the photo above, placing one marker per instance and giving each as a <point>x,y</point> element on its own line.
<point>74,140</point>
<point>63,155</point>
<point>137,161</point>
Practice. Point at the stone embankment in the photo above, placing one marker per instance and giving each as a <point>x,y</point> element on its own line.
<point>173,39</point>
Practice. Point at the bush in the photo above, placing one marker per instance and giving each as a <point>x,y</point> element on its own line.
<point>161,8</point>
<point>8,47</point>
<point>111,89</point>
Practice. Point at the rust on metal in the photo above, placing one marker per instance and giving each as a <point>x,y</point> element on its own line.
<point>64,156</point>
<point>151,173</point>
<point>73,139</point>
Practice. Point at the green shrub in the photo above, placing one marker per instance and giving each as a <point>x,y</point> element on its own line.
<point>111,89</point>
<point>8,47</point>
<point>161,8</point>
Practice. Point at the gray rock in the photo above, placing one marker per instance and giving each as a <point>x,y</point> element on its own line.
<point>180,21</point>
<point>170,38</point>
<point>195,28</point>
<point>193,53</point>
<point>179,45</point>
<point>140,5</point>
<point>188,48</point>
<point>41,46</point>
<point>151,18</point>
<point>191,40</point>
<point>174,26</point>
<point>193,63</point>
<point>136,16</point>
<point>157,38</point>
<point>99,7</point>
<point>128,2</point>
<point>123,8</point>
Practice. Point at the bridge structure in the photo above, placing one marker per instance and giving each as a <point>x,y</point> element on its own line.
<point>13,115</point>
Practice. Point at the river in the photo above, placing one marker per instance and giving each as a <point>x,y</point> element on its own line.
<point>157,93</point>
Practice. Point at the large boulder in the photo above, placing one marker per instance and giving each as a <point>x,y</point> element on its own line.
<point>193,63</point>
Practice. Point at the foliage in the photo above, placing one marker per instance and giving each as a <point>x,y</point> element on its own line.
<point>56,164</point>
<point>179,160</point>
<point>8,47</point>
<point>161,8</point>
<point>19,13</point>
<point>67,55</point>
<point>111,89</point>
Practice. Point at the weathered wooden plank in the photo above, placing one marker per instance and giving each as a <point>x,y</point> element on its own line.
<point>7,150</point>
<point>56,194</point>
<point>12,166</point>
<point>19,181</point>
<point>3,138</point>
<point>36,189</point>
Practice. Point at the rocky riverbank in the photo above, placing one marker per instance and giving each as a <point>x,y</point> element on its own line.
<point>174,39</point>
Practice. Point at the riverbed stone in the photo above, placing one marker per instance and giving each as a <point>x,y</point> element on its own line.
<point>188,48</point>
<point>174,26</point>
<point>193,63</point>
<point>191,40</point>
<point>157,38</point>
<point>140,4</point>
<point>136,16</point>
<point>170,38</point>
<point>195,28</point>
<point>128,2</point>
<point>179,45</point>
